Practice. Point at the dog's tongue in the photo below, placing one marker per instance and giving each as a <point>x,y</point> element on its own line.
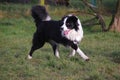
<point>66,32</point>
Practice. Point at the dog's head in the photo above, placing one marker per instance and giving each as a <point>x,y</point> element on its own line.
<point>70,22</point>
<point>71,27</point>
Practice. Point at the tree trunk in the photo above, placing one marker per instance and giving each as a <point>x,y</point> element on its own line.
<point>115,23</point>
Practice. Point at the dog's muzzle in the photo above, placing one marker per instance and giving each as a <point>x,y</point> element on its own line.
<point>66,32</point>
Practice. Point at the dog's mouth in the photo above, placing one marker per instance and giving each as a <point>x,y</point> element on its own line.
<point>66,32</point>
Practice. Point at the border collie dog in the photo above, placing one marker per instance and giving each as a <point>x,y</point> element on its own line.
<point>67,31</point>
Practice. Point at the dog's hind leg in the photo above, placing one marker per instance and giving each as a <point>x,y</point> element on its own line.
<point>55,48</point>
<point>37,43</point>
<point>33,48</point>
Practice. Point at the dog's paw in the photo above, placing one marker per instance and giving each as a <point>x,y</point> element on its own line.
<point>58,57</point>
<point>29,57</point>
<point>87,59</point>
<point>70,55</point>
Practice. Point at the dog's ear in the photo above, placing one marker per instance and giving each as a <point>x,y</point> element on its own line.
<point>70,15</point>
<point>63,18</point>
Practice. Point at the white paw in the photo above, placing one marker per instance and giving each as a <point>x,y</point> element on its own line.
<point>86,59</point>
<point>57,56</point>
<point>29,57</point>
<point>70,55</point>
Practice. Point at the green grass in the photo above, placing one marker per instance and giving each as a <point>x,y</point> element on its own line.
<point>15,42</point>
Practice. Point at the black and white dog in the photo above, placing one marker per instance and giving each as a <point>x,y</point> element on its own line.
<point>67,31</point>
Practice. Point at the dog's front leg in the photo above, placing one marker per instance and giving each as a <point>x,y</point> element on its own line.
<point>77,49</point>
<point>82,54</point>
<point>72,53</point>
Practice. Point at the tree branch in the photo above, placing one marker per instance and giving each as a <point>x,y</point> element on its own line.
<point>97,15</point>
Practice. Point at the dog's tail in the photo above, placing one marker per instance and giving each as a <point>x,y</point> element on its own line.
<point>39,14</point>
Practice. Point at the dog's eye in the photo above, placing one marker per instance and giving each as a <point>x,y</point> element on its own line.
<point>68,24</point>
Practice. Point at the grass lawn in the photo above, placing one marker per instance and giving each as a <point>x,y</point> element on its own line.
<point>16,33</point>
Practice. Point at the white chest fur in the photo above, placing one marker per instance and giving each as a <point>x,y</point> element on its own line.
<point>74,35</point>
